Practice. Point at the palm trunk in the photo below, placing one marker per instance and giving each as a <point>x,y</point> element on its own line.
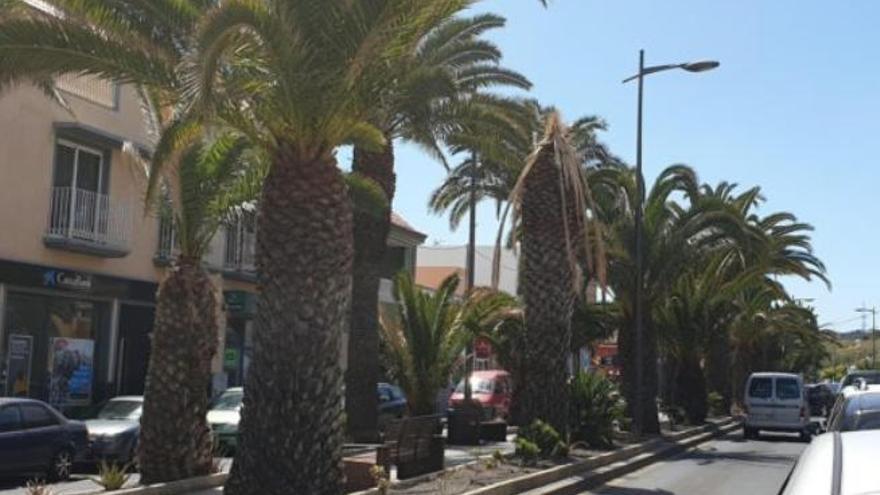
<point>719,367</point>
<point>691,384</point>
<point>548,296</point>
<point>648,398</point>
<point>370,241</point>
<point>291,428</point>
<point>175,440</point>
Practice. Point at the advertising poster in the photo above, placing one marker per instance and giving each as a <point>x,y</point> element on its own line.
<point>18,365</point>
<point>71,371</point>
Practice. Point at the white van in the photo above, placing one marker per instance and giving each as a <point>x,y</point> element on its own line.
<point>776,402</point>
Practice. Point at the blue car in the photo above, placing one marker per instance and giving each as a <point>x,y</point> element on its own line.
<point>37,439</point>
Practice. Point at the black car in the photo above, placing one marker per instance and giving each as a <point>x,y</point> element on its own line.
<point>820,398</point>
<point>35,438</point>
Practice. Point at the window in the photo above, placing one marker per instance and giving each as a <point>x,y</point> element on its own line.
<point>229,401</point>
<point>761,388</point>
<point>37,416</point>
<point>787,388</point>
<point>10,419</point>
<point>80,167</point>
<point>384,395</point>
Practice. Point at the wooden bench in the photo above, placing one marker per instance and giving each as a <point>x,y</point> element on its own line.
<point>413,445</point>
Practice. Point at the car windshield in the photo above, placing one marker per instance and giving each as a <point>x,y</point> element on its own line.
<point>121,409</point>
<point>228,401</point>
<point>478,386</point>
<point>870,378</point>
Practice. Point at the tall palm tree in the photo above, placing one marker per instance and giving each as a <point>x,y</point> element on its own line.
<point>550,203</point>
<point>303,79</point>
<point>210,184</point>
<point>130,41</point>
<point>431,92</point>
<point>673,233</point>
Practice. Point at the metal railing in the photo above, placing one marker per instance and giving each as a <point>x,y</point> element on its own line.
<point>240,250</point>
<point>87,216</point>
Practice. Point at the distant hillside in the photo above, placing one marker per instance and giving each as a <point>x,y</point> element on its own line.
<point>854,335</point>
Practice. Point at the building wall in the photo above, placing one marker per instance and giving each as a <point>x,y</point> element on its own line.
<point>453,259</point>
<point>27,148</point>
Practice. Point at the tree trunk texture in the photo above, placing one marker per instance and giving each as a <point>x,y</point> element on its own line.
<point>691,386</point>
<point>292,422</point>
<point>370,241</point>
<point>719,368</point>
<point>548,296</point>
<point>175,440</point>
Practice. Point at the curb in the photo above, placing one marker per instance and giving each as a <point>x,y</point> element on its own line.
<point>170,488</point>
<point>575,477</point>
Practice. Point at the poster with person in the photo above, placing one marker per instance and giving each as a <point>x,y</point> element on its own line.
<point>18,365</point>
<point>70,371</point>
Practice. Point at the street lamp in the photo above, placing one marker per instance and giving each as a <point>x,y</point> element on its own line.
<point>701,66</point>
<point>873,311</point>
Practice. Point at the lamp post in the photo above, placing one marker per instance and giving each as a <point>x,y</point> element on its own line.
<point>701,66</point>
<point>873,311</point>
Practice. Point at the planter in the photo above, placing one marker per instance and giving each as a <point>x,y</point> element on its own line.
<point>464,424</point>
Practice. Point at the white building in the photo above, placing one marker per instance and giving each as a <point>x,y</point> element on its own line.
<point>435,263</point>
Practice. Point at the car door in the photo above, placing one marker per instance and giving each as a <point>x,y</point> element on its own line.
<point>788,395</point>
<point>12,439</point>
<point>759,398</point>
<point>43,433</point>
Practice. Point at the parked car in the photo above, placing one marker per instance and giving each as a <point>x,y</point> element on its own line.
<point>775,402</point>
<point>35,438</point>
<point>223,417</point>
<point>838,463</point>
<point>853,378</point>
<point>493,389</point>
<point>113,433</point>
<point>820,398</point>
<point>392,403</point>
<point>856,411</point>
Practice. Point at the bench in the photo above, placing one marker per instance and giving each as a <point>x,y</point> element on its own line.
<point>413,445</point>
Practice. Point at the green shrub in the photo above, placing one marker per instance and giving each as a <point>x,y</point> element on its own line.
<point>595,406</point>
<point>716,404</point>
<point>548,440</point>
<point>111,476</point>
<point>527,450</point>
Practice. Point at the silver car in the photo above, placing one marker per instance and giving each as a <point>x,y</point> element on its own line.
<point>113,434</point>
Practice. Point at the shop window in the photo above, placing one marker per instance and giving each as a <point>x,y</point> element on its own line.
<point>55,349</point>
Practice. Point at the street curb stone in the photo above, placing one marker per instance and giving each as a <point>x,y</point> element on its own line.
<point>170,488</point>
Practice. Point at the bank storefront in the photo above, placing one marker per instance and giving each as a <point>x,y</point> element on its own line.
<point>72,338</point>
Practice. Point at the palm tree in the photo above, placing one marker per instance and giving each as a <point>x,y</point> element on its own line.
<point>550,203</point>
<point>431,92</point>
<point>674,235</point>
<point>135,42</point>
<point>303,79</point>
<point>423,342</point>
<point>210,184</point>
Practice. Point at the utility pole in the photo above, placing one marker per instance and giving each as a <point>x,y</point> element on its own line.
<point>864,311</point>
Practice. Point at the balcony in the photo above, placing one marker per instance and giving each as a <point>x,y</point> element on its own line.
<point>231,250</point>
<point>87,222</point>
<point>239,260</point>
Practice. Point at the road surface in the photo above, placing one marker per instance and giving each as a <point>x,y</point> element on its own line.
<point>727,466</point>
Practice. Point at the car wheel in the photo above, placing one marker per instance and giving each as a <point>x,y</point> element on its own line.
<point>749,433</point>
<point>62,464</point>
<point>806,436</point>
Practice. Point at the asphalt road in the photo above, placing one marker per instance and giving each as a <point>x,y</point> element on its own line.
<point>729,465</point>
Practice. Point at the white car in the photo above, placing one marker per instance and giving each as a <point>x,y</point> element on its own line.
<point>858,379</point>
<point>776,402</point>
<point>837,464</point>
<point>223,418</point>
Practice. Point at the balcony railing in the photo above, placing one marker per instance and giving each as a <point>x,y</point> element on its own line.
<point>83,220</point>
<point>240,250</point>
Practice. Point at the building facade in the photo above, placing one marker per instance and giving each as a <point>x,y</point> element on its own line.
<point>81,260</point>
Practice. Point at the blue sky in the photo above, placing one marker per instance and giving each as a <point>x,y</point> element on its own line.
<point>792,109</point>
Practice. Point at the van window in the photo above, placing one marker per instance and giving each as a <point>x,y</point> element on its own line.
<point>787,388</point>
<point>761,388</point>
